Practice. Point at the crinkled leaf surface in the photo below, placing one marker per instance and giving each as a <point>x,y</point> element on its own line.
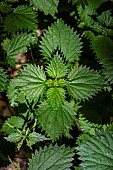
<point>84,83</point>
<point>52,158</point>
<point>55,96</point>
<point>56,68</point>
<point>17,45</point>
<point>35,137</point>
<point>62,36</point>
<point>102,46</point>
<point>47,6</point>
<point>30,82</point>
<point>56,122</point>
<point>107,64</point>
<point>3,80</point>
<point>97,152</point>
<point>12,123</point>
<point>23,17</point>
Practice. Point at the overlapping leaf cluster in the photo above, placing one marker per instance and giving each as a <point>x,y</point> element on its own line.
<point>47,91</point>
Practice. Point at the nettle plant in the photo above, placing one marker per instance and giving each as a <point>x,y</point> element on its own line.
<point>51,94</point>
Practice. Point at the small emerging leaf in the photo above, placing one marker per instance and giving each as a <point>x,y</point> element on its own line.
<point>56,68</point>
<point>55,96</point>
<point>34,138</point>
<point>12,123</point>
<point>14,137</point>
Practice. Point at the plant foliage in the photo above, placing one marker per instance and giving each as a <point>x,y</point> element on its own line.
<point>61,36</point>
<point>56,122</point>
<point>3,80</point>
<point>30,83</point>
<point>52,157</point>
<point>48,7</point>
<point>84,83</point>
<point>23,17</point>
<point>61,92</point>
<point>97,151</point>
<point>17,45</point>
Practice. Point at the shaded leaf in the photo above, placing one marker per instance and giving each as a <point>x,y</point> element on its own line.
<point>105,18</point>
<point>23,17</point>
<point>102,46</point>
<point>47,6</point>
<point>17,45</point>
<point>14,95</point>
<point>52,158</point>
<point>107,64</point>
<point>3,80</point>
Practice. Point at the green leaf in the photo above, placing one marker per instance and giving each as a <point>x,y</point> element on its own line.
<point>86,126</point>
<point>56,122</point>
<point>14,137</point>
<point>17,45</point>
<point>73,1</point>
<point>12,123</point>
<point>95,3</point>
<point>3,80</point>
<point>5,8</point>
<point>61,36</point>
<point>30,82</point>
<point>14,95</point>
<point>56,68</point>
<point>34,138</point>
<point>52,158</point>
<point>105,18</point>
<point>107,64</point>
<point>84,83</point>
<point>55,96</point>
<point>102,46</point>
<point>47,6</point>
<point>78,1</point>
<point>85,14</point>
<point>23,17</point>
<point>97,152</point>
